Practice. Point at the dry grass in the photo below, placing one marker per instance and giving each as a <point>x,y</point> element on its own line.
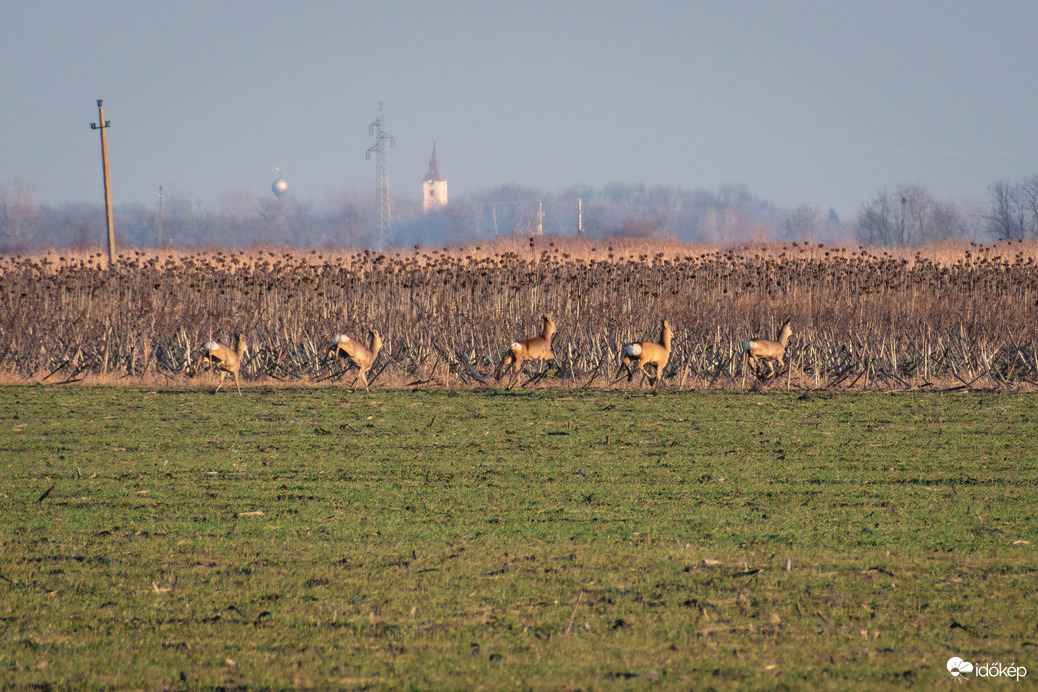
<point>956,315</point>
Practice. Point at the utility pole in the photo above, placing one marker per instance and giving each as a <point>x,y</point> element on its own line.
<point>105,124</point>
<point>383,140</point>
<point>160,216</point>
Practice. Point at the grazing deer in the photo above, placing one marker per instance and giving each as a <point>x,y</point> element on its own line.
<point>537,348</point>
<point>770,351</point>
<point>225,359</point>
<point>645,352</point>
<point>360,356</point>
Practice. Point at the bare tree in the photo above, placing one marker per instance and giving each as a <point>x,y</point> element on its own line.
<point>878,220</point>
<point>1005,217</point>
<point>946,222</point>
<point>18,213</point>
<point>1014,209</point>
<point>1029,195</point>
<point>346,222</point>
<point>803,223</point>
<point>916,205</point>
<point>908,216</point>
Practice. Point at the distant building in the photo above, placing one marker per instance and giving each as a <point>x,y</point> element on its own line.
<point>434,187</point>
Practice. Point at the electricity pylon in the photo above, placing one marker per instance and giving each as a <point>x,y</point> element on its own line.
<point>383,140</point>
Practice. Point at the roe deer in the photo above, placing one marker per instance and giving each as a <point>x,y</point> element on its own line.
<point>225,359</point>
<point>537,348</point>
<point>360,356</point>
<point>771,352</point>
<point>645,352</point>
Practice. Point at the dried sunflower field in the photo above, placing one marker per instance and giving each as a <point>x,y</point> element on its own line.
<point>957,316</point>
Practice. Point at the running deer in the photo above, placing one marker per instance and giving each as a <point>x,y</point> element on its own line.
<point>644,353</point>
<point>225,359</point>
<point>771,352</point>
<point>537,348</point>
<point>359,356</point>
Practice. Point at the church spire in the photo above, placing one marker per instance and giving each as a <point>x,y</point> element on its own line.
<point>434,174</point>
<point>434,186</point>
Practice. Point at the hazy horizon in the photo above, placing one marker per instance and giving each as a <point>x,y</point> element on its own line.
<point>811,101</point>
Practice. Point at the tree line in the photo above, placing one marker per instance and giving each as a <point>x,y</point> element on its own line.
<point>905,215</point>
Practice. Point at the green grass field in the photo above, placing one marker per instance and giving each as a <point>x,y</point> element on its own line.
<point>483,540</point>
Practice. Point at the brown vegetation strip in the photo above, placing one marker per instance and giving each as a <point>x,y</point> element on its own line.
<point>862,318</point>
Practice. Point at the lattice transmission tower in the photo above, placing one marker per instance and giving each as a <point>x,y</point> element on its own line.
<point>383,140</point>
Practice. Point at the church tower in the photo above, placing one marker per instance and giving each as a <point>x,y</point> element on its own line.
<point>434,187</point>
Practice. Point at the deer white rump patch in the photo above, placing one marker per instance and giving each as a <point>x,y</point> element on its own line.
<point>633,350</point>
<point>749,345</point>
<point>341,339</point>
<point>515,345</point>
<point>210,347</point>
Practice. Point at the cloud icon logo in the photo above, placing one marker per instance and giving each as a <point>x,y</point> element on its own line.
<point>956,666</point>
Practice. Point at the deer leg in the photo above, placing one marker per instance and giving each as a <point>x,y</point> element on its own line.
<point>543,368</point>
<point>220,383</point>
<point>628,367</point>
<point>623,365</point>
<point>755,365</point>
<point>508,364</point>
<point>537,374</point>
<point>645,375</point>
<point>236,383</point>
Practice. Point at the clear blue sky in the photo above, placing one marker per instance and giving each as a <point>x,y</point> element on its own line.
<point>806,101</point>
